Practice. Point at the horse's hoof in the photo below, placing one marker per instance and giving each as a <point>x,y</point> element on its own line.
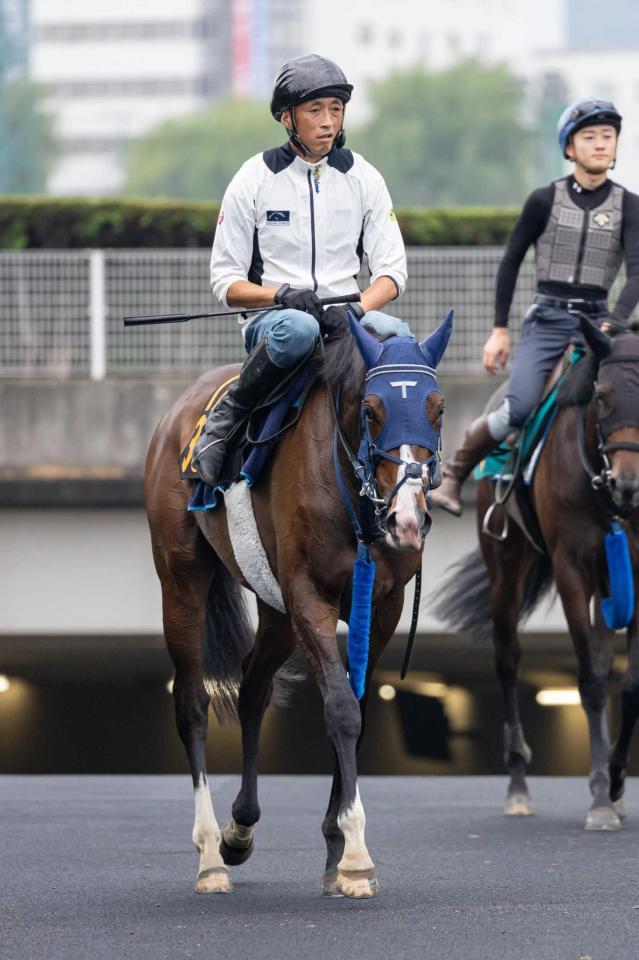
<point>602,818</point>
<point>329,884</point>
<point>357,883</point>
<point>620,808</point>
<point>234,856</point>
<point>214,880</point>
<point>518,805</point>
<point>236,844</point>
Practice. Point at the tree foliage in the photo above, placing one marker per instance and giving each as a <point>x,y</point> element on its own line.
<point>194,157</point>
<point>454,137</point>
<point>27,145</point>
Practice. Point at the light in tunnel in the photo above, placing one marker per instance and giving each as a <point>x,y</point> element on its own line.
<point>4,683</point>
<point>169,685</point>
<point>558,697</point>
<point>387,692</point>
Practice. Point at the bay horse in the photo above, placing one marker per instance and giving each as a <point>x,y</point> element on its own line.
<point>587,476</point>
<point>384,389</point>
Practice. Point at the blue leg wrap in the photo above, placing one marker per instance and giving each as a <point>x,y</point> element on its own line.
<point>359,625</point>
<point>619,607</point>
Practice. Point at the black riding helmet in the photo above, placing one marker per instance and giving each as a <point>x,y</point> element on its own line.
<point>305,78</point>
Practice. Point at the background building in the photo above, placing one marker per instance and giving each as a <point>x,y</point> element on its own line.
<point>113,70</point>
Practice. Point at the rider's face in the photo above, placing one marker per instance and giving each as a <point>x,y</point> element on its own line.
<point>318,123</point>
<point>593,148</point>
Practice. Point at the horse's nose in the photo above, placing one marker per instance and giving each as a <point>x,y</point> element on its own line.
<point>625,490</point>
<point>407,533</point>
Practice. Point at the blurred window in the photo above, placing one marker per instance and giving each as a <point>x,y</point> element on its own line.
<point>124,88</point>
<point>83,32</point>
<point>364,33</point>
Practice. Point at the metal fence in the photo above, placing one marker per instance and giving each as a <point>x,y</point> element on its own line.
<point>61,311</point>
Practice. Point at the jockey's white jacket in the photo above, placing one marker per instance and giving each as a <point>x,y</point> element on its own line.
<point>283,220</point>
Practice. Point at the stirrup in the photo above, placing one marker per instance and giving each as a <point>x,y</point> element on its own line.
<point>485,527</point>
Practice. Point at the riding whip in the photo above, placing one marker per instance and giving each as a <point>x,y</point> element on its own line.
<point>183,317</point>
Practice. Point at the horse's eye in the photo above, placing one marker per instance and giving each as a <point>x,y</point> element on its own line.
<point>369,413</point>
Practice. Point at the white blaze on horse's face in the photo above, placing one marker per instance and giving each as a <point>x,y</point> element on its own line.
<point>408,519</point>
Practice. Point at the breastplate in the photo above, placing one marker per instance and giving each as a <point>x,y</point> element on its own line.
<point>581,246</point>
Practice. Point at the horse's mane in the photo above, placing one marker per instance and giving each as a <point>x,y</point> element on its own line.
<point>577,387</point>
<point>343,366</point>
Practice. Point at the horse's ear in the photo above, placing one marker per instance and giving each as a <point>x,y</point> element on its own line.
<point>369,347</point>
<point>598,341</point>
<point>434,346</point>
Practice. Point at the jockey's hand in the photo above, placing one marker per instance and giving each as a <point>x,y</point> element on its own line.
<point>334,320</point>
<point>305,300</point>
<point>497,350</point>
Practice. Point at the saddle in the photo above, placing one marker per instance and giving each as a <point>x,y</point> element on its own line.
<point>255,438</point>
<point>512,466</point>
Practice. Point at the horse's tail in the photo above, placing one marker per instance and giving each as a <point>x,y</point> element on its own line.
<point>463,595</point>
<point>228,638</point>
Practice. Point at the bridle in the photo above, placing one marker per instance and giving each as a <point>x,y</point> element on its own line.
<point>603,480</point>
<point>364,465</point>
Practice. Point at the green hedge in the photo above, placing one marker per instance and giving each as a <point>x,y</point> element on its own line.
<point>29,223</point>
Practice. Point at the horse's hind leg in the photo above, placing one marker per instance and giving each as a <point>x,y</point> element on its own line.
<point>629,714</point>
<point>274,643</point>
<point>508,564</point>
<point>185,574</point>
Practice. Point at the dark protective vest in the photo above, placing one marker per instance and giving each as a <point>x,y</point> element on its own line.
<point>581,246</point>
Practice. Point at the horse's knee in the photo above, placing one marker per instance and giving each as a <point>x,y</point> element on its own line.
<point>342,714</point>
<point>593,690</point>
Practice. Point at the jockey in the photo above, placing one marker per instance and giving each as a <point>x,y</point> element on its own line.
<point>293,226</point>
<point>582,227</point>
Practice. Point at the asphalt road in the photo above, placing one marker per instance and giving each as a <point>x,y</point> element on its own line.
<point>102,867</point>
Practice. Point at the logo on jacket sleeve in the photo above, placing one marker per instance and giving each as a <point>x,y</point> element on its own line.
<point>280,217</point>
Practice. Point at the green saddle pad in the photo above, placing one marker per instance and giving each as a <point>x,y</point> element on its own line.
<point>502,459</point>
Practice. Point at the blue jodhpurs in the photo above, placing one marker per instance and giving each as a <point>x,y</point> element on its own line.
<point>292,333</point>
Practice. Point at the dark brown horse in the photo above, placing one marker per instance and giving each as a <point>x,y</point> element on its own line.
<point>309,545</point>
<point>575,495</point>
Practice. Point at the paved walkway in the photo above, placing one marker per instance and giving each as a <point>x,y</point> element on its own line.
<point>102,867</point>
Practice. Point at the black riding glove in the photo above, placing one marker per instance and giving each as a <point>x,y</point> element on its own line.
<point>334,320</point>
<point>305,300</point>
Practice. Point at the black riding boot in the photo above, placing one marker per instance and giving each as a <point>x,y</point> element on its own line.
<point>477,444</point>
<point>258,377</point>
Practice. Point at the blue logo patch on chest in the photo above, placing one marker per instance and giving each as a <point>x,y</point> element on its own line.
<point>278,216</point>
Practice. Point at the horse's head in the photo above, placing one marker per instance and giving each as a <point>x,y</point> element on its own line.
<point>401,424</point>
<point>617,404</point>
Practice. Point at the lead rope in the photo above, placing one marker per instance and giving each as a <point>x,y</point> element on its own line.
<point>364,561</point>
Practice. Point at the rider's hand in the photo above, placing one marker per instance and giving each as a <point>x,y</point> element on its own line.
<point>497,350</point>
<point>334,320</point>
<point>305,300</point>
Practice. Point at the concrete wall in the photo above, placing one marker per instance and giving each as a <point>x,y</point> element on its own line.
<point>75,558</point>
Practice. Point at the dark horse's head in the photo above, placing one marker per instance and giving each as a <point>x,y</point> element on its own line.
<point>400,427</point>
<point>616,396</point>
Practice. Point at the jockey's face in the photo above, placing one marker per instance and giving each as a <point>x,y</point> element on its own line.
<point>318,122</point>
<point>593,148</point>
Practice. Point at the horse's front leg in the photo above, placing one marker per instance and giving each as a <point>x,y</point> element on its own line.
<point>314,622</point>
<point>594,649</point>
<point>629,714</point>
<point>384,622</point>
<point>274,643</point>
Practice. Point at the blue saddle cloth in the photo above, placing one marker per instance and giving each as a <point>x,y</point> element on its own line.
<point>265,427</point>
